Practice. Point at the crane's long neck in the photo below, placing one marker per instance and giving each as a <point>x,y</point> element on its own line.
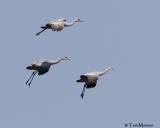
<point>55,61</point>
<point>59,60</point>
<point>67,24</point>
<point>105,71</point>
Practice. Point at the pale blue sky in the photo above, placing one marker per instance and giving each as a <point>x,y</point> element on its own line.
<point>119,33</point>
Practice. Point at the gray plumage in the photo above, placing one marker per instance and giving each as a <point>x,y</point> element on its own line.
<point>58,25</point>
<point>90,79</point>
<point>41,67</point>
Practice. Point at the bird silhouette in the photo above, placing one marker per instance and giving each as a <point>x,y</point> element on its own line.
<point>41,67</point>
<point>58,25</point>
<point>90,79</point>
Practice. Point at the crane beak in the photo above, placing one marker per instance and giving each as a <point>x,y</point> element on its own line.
<point>68,59</point>
<point>81,20</point>
<point>113,69</point>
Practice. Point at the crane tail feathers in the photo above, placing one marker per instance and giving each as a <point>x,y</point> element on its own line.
<point>29,68</point>
<point>80,80</point>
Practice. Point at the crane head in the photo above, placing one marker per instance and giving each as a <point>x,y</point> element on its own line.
<point>78,20</point>
<point>109,68</point>
<point>65,58</point>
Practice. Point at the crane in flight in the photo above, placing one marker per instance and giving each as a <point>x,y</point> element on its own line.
<point>90,79</point>
<point>58,25</point>
<point>41,67</point>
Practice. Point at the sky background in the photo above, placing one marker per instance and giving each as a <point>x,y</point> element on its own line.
<point>123,34</point>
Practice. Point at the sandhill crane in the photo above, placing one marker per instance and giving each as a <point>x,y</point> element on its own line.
<point>41,67</point>
<point>58,25</point>
<point>90,79</point>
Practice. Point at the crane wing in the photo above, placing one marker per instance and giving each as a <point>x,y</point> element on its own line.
<point>38,63</point>
<point>62,19</point>
<point>57,26</point>
<point>90,80</point>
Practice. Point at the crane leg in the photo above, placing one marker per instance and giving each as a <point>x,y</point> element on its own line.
<point>32,78</point>
<point>29,78</point>
<point>82,94</point>
<point>41,31</point>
